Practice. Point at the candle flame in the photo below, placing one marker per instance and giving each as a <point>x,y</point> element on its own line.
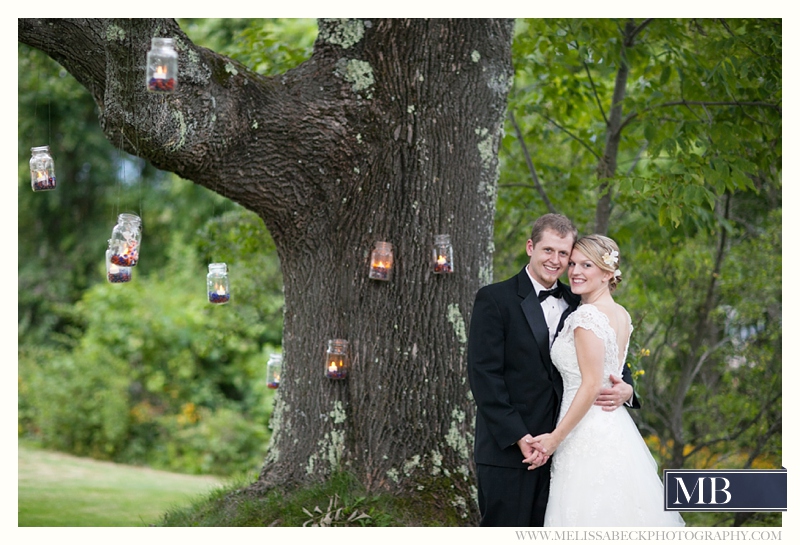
<point>161,71</point>
<point>333,365</point>
<point>220,289</point>
<point>441,260</point>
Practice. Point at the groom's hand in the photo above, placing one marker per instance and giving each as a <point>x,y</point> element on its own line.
<point>531,455</point>
<point>616,396</point>
<point>525,445</point>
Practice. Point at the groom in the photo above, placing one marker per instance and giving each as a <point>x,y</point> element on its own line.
<point>516,388</point>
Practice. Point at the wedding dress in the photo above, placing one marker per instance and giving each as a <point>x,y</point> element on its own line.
<point>603,473</point>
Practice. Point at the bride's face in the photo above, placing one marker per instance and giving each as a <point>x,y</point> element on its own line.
<point>584,276</point>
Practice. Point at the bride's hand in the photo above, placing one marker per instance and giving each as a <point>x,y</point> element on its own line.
<point>546,443</point>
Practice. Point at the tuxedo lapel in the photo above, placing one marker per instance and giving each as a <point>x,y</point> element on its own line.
<point>532,309</point>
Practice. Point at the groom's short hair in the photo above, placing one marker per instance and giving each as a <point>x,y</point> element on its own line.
<point>557,222</point>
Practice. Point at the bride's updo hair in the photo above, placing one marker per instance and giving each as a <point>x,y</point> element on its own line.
<point>603,252</point>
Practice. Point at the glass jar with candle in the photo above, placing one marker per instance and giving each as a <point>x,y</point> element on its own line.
<point>442,254</point>
<point>116,274</point>
<point>381,262</point>
<point>43,170</point>
<point>219,291</point>
<point>274,371</point>
<point>336,360</point>
<point>126,237</point>
<point>162,66</point>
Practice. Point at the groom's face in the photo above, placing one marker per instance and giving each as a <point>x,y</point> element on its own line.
<point>549,257</point>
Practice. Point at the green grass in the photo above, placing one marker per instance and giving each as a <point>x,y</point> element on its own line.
<point>339,501</point>
<point>56,489</point>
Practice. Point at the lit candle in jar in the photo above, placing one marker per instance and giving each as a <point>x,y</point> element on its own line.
<point>219,295</point>
<point>160,73</point>
<point>379,270</point>
<point>442,254</point>
<point>127,256</point>
<point>336,368</point>
<point>381,261</point>
<point>115,273</point>
<point>217,283</point>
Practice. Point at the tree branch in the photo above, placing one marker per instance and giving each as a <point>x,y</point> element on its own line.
<point>594,92</point>
<point>225,127</point>
<point>630,37</point>
<point>574,137</point>
<point>704,104</point>
<point>531,168</point>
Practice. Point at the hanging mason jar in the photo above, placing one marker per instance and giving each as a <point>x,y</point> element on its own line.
<point>162,66</point>
<point>381,262</point>
<point>126,238</point>
<point>43,170</point>
<point>336,360</point>
<point>442,254</point>
<point>274,371</point>
<point>116,274</point>
<point>219,291</point>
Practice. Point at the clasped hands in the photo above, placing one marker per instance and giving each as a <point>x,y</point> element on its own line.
<point>537,450</point>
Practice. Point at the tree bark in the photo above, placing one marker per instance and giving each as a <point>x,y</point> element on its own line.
<point>390,132</point>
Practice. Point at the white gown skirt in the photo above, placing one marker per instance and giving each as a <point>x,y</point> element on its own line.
<point>604,475</point>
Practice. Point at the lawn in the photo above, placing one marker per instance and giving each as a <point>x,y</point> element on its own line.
<point>56,489</point>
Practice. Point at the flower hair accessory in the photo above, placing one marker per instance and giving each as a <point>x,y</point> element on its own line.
<point>618,274</point>
<point>610,259</point>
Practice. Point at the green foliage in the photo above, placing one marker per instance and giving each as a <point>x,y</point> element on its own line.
<point>267,46</point>
<point>58,230</point>
<point>696,195</point>
<point>202,441</point>
<point>701,112</point>
<point>73,405</point>
<point>153,373</point>
<point>109,370</point>
<point>158,377</point>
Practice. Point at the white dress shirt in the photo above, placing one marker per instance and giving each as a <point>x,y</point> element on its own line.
<point>552,307</point>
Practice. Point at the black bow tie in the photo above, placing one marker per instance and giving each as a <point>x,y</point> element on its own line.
<point>555,292</point>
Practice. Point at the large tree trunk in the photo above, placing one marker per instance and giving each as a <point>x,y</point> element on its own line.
<point>389,132</point>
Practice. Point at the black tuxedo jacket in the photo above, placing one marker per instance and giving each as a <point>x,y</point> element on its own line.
<point>513,381</point>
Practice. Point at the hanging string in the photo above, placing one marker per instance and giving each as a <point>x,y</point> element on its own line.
<point>48,119</point>
<point>35,100</point>
<point>133,55</point>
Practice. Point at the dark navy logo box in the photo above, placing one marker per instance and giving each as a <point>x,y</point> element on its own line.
<point>725,489</point>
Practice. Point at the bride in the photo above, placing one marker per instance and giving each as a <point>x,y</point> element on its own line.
<point>602,473</point>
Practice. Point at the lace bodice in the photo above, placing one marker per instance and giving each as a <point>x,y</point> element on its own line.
<point>565,357</point>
